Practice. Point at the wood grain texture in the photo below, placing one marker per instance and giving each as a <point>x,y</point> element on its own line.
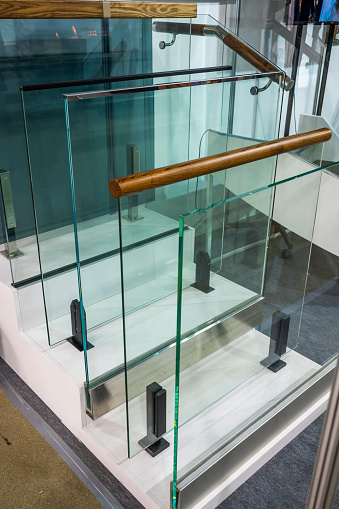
<point>30,9</point>
<point>171,27</point>
<point>152,10</point>
<point>80,9</point>
<point>167,175</point>
<point>254,58</point>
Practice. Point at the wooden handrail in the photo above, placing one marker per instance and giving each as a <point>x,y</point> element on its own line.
<point>167,175</point>
<point>230,40</point>
<point>89,9</point>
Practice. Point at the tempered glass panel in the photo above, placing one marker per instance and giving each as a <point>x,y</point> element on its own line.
<point>126,48</point>
<point>136,117</point>
<point>49,169</point>
<point>75,51</point>
<point>39,51</point>
<point>149,269</point>
<point>274,229</point>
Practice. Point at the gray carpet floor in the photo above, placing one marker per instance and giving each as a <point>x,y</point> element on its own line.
<point>283,482</point>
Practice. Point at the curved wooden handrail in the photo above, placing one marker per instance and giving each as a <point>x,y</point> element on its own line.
<point>167,175</point>
<point>230,40</point>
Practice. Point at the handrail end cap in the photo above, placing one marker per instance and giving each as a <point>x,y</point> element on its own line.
<point>114,188</point>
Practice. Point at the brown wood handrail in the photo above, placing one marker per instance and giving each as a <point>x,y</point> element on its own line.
<point>167,175</point>
<point>89,9</point>
<point>230,40</point>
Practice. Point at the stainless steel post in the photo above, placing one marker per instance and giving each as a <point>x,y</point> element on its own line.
<point>9,216</point>
<point>325,478</point>
<point>133,166</point>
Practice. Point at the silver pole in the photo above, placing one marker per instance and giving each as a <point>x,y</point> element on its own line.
<point>133,166</point>
<point>325,478</point>
<point>9,216</point>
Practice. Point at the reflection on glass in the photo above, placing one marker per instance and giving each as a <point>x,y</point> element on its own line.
<point>101,138</point>
<point>248,318</point>
<point>271,29</point>
<point>149,226</point>
<point>113,135</point>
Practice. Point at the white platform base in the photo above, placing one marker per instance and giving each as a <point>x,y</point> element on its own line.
<point>205,432</point>
<point>148,478</point>
<point>154,323</point>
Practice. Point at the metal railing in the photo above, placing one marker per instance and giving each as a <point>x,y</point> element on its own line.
<point>230,40</point>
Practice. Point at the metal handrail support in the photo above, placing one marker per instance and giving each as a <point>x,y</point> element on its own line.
<point>230,40</point>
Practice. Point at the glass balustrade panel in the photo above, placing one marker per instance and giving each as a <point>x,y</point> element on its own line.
<point>45,129</point>
<point>149,268</point>
<point>54,254</point>
<point>148,221</point>
<point>258,348</point>
<point>111,48</point>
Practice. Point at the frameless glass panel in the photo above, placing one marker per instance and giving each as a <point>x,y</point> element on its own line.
<point>31,52</point>
<point>318,332</point>
<point>49,170</point>
<point>260,327</point>
<point>135,120</point>
<point>148,221</point>
<point>39,51</point>
<point>126,48</point>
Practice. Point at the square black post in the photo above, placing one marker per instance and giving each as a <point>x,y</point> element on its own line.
<point>278,342</point>
<point>76,338</point>
<point>153,442</point>
<point>202,272</point>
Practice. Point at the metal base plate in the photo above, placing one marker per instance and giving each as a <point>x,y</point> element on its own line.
<point>138,218</point>
<point>271,359</point>
<point>277,366</point>
<point>16,254</point>
<point>197,286</point>
<point>76,344</point>
<point>157,447</point>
